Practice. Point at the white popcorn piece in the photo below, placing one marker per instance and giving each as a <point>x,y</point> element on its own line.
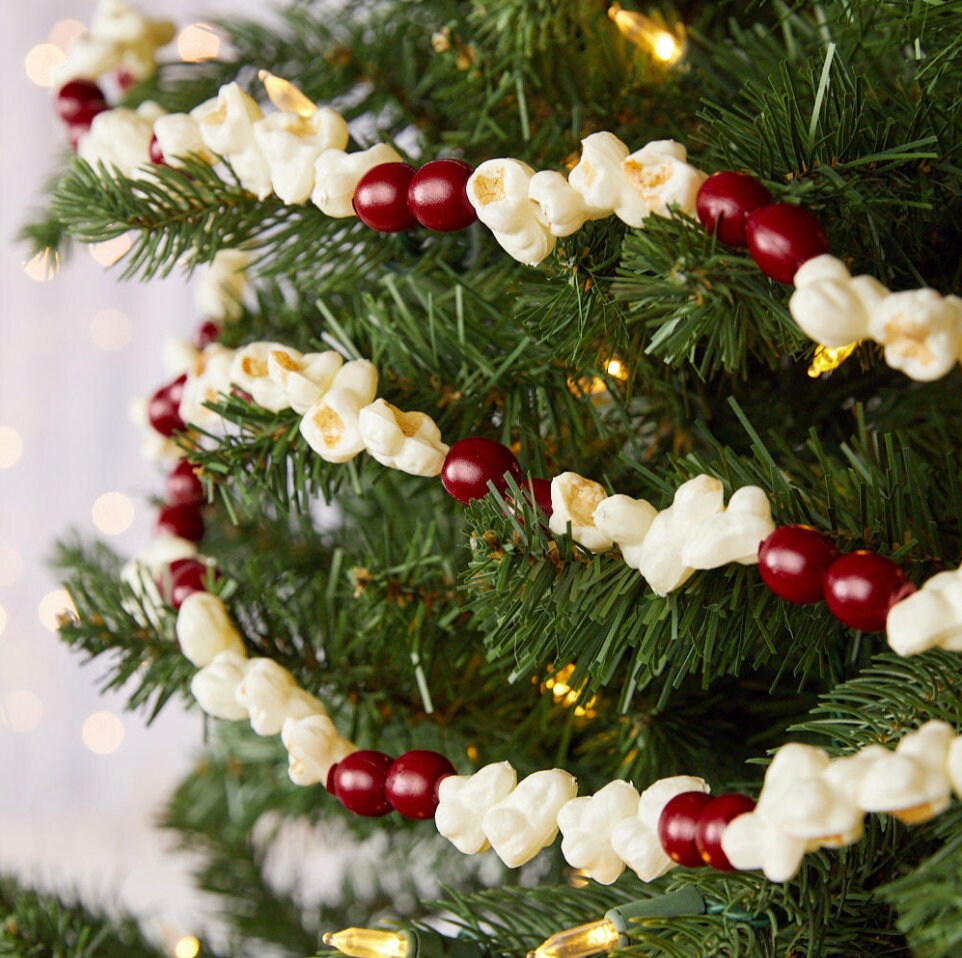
<point>574,499</point>
<point>220,293</point>
<point>331,425</point>
<point>732,535</point>
<point>313,746</point>
<point>635,186</point>
<point>117,21</point>
<point>953,765</point>
<point>227,128</point>
<point>626,521</point>
<point>465,799</point>
<point>498,191</point>
<point>751,841</point>
<point>635,840</point>
<point>88,58</point>
<point>178,135</point>
<point>813,810</point>
<point>204,629</point>
<point>830,306</point>
<point>562,207</point>
<point>207,380</point>
<point>658,179</point>
<point>336,175</point>
<point>526,820</point>
<point>660,555</point>
<point>271,696</point>
<point>249,370</point>
<point>215,686</point>
<point>120,140</point>
<point>305,379</point>
<point>928,619</point>
<point>921,331</point>
<point>292,143</point>
<point>178,356</point>
<point>586,827</point>
<point>408,441</point>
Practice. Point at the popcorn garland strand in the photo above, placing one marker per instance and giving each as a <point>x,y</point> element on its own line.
<point>808,800</point>
<point>343,417</point>
<point>298,154</point>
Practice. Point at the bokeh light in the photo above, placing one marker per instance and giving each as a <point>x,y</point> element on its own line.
<point>112,513</point>
<point>103,732</point>
<point>197,42</point>
<point>188,947</point>
<point>111,329</point>
<point>20,710</point>
<point>43,267</point>
<point>3,619</point>
<point>64,32</point>
<point>11,447</point>
<point>41,62</point>
<point>108,252</point>
<point>52,606</point>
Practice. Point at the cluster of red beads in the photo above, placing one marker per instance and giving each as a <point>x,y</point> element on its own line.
<point>691,826</point>
<point>474,462</point>
<point>394,197</point>
<point>77,103</point>
<point>802,565</point>
<point>779,236</point>
<point>372,784</point>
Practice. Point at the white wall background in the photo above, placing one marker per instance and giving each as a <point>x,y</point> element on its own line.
<point>68,817</point>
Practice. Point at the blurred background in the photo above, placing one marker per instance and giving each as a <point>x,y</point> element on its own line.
<point>81,780</point>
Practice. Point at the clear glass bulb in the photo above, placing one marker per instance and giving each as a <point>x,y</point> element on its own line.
<point>368,943</point>
<point>285,96</point>
<point>580,941</point>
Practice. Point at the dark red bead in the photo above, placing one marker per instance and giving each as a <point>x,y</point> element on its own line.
<point>782,237</point>
<point>860,588</point>
<point>74,133</point>
<point>438,196</point>
<point>183,488</point>
<point>711,826</point>
<point>358,782</point>
<point>677,826</point>
<point>78,102</point>
<point>537,493</point>
<point>163,408</point>
<point>156,153</point>
<point>207,333</point>
<point>793,561</point>
<point>182,578</point>
<point>471,463</point>
<point>186,522</point>
<point>381,198</point>
<point>723,202</point>
<point>412,781</point>
<point>125,79</point>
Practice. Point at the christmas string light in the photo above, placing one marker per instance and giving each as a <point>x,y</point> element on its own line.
<point>285,96</point>
<point>409,943</point>
<point>827,359</point>
<point>643,32</point>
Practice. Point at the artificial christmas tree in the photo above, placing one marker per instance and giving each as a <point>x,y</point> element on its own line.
<point>610,373</point>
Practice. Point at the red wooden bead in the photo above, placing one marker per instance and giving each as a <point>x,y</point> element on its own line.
<point>207,333</point>
<point>183,488</point>
<point>860,588</point>
<point>782,237</point>
<point>155,152</point>
<point>163,408</point>
<point>723,202</point>
<point>78,102</point>
<point>472,462</point>
<point>677,825</point>
<point>792,562</point>
<point>358,782</point>
<point>412,781</point>
<point>186,522</point>
<point>438,196</point>
<point>712,824</point>
<point>381,198</point>
<point>182,578</point>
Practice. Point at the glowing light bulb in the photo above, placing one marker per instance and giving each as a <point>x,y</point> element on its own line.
<point>827,358</point>
<point>368,943</point>
<point>564,694</point>
<point>285,96</point>
<point>642,31</point>
<point>188,947</point>
<point>580,941</point>
<point>616,369</point>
